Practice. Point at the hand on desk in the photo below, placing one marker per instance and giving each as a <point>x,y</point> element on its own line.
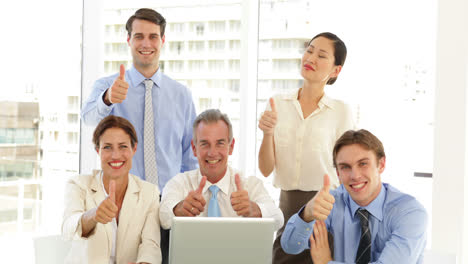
<point>241,203</point>
<point>193,204</point>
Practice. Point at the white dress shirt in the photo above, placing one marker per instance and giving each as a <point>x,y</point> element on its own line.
<point>304,146</point>
<point>179,186</point>
<point>114,227</point>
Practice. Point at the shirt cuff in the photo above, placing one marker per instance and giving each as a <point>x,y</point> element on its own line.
<point>302,227</point>
<point>103,109</point>
<point>166,213</point>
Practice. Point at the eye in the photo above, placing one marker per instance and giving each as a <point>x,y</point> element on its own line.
<point>323,55</point>
<point>123,146</point>
<point>362,164</point>
<point>344,167</point>
<point>106,147</point>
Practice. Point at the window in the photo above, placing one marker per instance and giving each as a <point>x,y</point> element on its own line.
<point>196,46</point>
<point>176,28</point>
<point>216,45</point>
<point>176,66</point>
<point>176,47</point>
<point>234,45</point>
<point>234,25</point>
<point>234,65</point>
<point>216,65</point>
<point>217,26</point>
<point>197,65</point>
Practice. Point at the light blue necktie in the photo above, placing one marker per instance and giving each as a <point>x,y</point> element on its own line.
<point>213,206</point>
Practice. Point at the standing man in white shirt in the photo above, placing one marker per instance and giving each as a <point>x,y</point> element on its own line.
<point>215,189</point>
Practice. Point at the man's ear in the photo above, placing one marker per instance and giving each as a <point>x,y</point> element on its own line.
<point>231,147</point>
<point>338,174</point>
<point>194,149</point>
<point>381,165</point>
<point>97,150</point>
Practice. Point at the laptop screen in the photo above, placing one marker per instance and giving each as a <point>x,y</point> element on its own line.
<point>221,240</point>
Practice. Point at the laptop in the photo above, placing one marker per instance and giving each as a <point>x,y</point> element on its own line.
<point>221,240</point>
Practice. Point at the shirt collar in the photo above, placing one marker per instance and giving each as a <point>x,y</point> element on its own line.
<point>375,208</point>
<point>324,101</point>
<point>222,184</point>
<point>137,78</point>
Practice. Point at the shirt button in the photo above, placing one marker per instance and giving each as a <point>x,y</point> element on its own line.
<point>298,243</point>
<point>307,229</point>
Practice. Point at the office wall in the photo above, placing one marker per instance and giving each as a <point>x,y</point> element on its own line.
<point>450,201</point>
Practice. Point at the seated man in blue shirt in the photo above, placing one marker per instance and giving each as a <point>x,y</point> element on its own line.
<point>371,221</point>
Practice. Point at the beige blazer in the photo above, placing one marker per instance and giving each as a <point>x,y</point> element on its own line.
<point>138,234</point>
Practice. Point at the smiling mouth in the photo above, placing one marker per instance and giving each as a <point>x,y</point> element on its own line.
<point>213,161</point>
<point>116,165</point>
<point>308,67</point>
<point>358,187</point>
<point>146,52</point>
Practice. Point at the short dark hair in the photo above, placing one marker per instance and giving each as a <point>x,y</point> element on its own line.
<point>362,137</point>
<point>211,116</point>
<point>112,121</point>
<point>339,53</point>
<point>148,15</point>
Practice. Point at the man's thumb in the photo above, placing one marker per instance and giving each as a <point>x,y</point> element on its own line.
<point>238,182</point>
<point>122,72</point>
<point>202,184</point>
<point>326,183</point>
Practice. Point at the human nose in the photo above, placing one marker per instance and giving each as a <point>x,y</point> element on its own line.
<point>211,151</point>
<point>146,42</point>
<point>115,153</point>
<point>310,58</point>
<point>354,174</point>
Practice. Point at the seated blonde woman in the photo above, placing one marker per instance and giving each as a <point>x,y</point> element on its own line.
<point>112,214</point>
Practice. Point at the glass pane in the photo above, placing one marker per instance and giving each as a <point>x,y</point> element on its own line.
<point>39,99</point>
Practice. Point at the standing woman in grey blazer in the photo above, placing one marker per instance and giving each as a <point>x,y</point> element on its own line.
<point>112,215</point>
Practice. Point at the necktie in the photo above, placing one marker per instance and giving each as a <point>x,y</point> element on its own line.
<point>213,206</point>
<point>364,250</point>
<point>149,151</point>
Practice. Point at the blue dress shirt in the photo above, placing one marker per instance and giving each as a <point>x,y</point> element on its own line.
<point>174,113</point>
<point>398,224</point>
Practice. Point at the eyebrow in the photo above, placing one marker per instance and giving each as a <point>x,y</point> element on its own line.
<point>141,34</point>
<point>320,50</point>
<point>110,144</point>
<point>361,160</point>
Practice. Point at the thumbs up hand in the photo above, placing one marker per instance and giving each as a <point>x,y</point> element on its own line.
<point>241,203</point>
<point>320,206</point>
<point>107,209</point>
<point>194,203</point>
<point>118,91</point>
<point>268,120</point>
